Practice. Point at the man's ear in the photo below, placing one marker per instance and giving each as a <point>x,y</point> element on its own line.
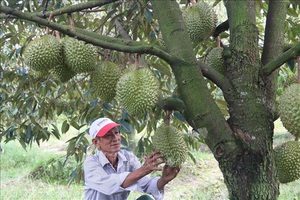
<point>94,141</point>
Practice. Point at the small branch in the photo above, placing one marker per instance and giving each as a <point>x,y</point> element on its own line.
<point>76,8</point>
<point>122,31</point>
<point>281,59</point>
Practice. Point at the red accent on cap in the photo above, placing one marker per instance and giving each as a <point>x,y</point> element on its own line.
<point>106,128</point>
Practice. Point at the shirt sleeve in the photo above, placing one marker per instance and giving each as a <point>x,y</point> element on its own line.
<point>97,179</point>
<point>146,184</point>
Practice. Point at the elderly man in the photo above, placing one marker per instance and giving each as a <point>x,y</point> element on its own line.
<point>111,173</point>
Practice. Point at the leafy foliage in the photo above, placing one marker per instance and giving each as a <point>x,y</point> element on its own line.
<point>31,102</point>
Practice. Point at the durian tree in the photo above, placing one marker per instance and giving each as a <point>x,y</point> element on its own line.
<point>157,34</point>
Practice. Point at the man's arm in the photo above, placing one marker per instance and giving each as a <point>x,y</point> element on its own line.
<point>150,165</point>
<point>97,179</point>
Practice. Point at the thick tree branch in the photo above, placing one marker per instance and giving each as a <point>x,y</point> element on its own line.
<point>273,46</point>
<point>5,16</point>
<point>93,38</point>
<point>224,26</point>
<point>274,31</point>
<point>281,59</point>
<point>203,113</point>
<point>219,79</point>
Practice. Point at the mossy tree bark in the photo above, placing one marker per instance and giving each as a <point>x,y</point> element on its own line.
<point>243,144</point>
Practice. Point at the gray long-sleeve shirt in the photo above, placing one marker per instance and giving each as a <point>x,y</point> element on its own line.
<point>103,182</point>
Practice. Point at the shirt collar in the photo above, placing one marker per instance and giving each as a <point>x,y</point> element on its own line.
<point>103,160</point>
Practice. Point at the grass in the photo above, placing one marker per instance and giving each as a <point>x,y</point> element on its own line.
<point>200,181</point>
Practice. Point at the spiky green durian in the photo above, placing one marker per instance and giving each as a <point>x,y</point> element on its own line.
<point>215,59</point>
<point>169,141</point>
<point>63,72</point>
<point>79,56</point>
<point>138,91</point>
<point>289,109</point>
<point>43,53</point>
<point>287,158</point>
<point>200,20</point>
<point>104,80</point>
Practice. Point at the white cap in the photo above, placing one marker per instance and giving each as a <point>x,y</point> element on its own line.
<point>101,126</point>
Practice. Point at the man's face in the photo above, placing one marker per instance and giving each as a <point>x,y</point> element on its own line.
<point>110,142</point>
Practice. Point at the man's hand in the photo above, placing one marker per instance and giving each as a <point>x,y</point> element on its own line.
<point>152,161</point>
<point>168,174</point>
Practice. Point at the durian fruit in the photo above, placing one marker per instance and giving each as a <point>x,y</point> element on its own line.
<point>200,20</point>
<point>138,91</point>
<point>104,80</point>
<point>43,53</point>
<point>215,59</point>
<point>63,72</point>
<point>169,141</point>
<point>287,158</point>
<point>79,56</point>
<point>289,109</point>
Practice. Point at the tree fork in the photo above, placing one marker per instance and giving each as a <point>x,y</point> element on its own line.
<point>204,113</point>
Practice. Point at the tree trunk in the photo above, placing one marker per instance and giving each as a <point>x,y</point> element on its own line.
<point>243,144</point>
<point>252,173</point>
<point>251,176</point>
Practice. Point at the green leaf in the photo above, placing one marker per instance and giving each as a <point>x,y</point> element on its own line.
<point>55,131</point>
<point>179,116</point>
<point>192,157</point>
<point>75,125</point>
<point>292,12</point>
<point>216,2</point>
<point>65,126</point>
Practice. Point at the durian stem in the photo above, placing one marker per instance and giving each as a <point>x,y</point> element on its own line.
<point>118,111</point>
<point>49,19</point>
<point>72,24</point>
<point>137,61</point>
<point>168,117</point>
<point>297,138</point>
<point>298,62</point>
<point>57,35</point>
<point>188,2</point>
<point>108,55</point>
<point>129,59</point>
<point>218,41</point>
